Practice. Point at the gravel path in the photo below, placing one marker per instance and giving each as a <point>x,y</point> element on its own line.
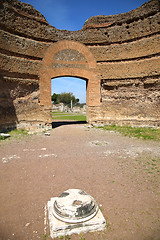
<point>121,173</point>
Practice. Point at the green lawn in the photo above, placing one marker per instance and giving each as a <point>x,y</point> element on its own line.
<point>68,116</point>
<point>138,132</point>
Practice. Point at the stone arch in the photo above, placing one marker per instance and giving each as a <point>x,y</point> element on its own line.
<point>84,66</point>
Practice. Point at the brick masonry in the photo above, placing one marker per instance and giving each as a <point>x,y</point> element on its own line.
<point>118,56</point>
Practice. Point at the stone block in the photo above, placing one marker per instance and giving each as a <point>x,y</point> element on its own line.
<point>74,211</point>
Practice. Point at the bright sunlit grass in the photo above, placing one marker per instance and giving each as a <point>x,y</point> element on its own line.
<point>138,132</point>
<point>68,116</point>
<point>16,134</point>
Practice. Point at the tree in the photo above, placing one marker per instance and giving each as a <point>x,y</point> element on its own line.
<point>64,98</point>
<point>54,98</point>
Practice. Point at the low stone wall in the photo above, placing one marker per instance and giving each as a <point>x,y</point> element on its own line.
<point>118,56</point>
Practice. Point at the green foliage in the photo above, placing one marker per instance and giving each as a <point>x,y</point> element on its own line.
<point>16,134</point>
<point>64,98</point>
<point>54,98</point>
<point>65,237</point>
<point>44,236</point>
<point>138,132</point>
<point>2,138</point>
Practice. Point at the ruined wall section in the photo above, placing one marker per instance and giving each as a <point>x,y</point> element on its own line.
<point>129,65</point>
<point>20,59</point>
<point>25,36</point>
<point>125,46</point>
<point>21,53</point>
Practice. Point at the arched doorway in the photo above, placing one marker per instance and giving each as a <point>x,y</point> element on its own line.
<point>69,58</point>
<point>64,110</point>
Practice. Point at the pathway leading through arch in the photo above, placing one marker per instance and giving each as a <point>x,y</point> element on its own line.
<point>69,58</point>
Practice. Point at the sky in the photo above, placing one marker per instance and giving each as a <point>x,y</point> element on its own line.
<point>71,15</point>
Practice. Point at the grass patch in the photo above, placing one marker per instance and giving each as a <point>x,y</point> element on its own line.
<point>2,138</point>
<point>68,116</point>
<point>16,134</point>
<point>138,132</point>
<point>59,113</point>
<point>153,165</point>
<point>76,118</point>
<point>44,236</point>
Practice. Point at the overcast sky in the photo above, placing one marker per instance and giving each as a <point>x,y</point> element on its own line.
<point>71,15</point>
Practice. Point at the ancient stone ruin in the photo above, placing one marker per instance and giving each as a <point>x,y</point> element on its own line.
<point>118,57</point>
<point>74,211</point>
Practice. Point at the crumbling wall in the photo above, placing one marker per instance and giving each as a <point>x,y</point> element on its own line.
<point>21,57</point>
<point>126,49</point>
<point>129,65</point>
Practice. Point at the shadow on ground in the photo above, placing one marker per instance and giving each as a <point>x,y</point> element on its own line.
<point>61,123</point>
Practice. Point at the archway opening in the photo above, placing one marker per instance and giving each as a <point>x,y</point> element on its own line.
<point>69,59</point>
<point>68,96</point>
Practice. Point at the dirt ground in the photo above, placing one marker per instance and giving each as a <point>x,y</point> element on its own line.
<point>121,173</point>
